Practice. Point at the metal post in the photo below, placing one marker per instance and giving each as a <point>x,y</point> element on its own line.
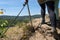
<point>29,14</point>
<point>12,22</point>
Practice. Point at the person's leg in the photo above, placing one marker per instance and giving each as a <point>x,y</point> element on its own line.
<point>51,8</point>
<point>43,12</point>
<point>52,14</point>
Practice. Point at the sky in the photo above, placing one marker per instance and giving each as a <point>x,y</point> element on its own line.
<point>12,7</point>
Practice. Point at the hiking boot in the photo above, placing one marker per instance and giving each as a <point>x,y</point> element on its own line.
<point>55,34</point>
<point>52,32</point>
<point>43,22</point>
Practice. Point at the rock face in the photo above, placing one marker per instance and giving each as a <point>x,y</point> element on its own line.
<point>39,35</point>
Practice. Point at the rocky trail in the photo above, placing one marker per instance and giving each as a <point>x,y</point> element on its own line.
<point>39,35</point>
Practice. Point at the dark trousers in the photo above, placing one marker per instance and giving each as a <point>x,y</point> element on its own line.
<point>50,7</point>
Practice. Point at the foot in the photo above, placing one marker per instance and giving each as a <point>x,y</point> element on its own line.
<point>52,32</point>
<point>55,34</point>
<point>43,22</point>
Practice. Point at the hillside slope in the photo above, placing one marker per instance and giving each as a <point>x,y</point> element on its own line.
<point>16,33</point>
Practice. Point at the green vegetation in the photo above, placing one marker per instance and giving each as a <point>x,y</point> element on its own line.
<point>4,23</point>
<point>7,21</point>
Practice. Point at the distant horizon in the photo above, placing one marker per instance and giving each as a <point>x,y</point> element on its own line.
<point>19,15</point>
